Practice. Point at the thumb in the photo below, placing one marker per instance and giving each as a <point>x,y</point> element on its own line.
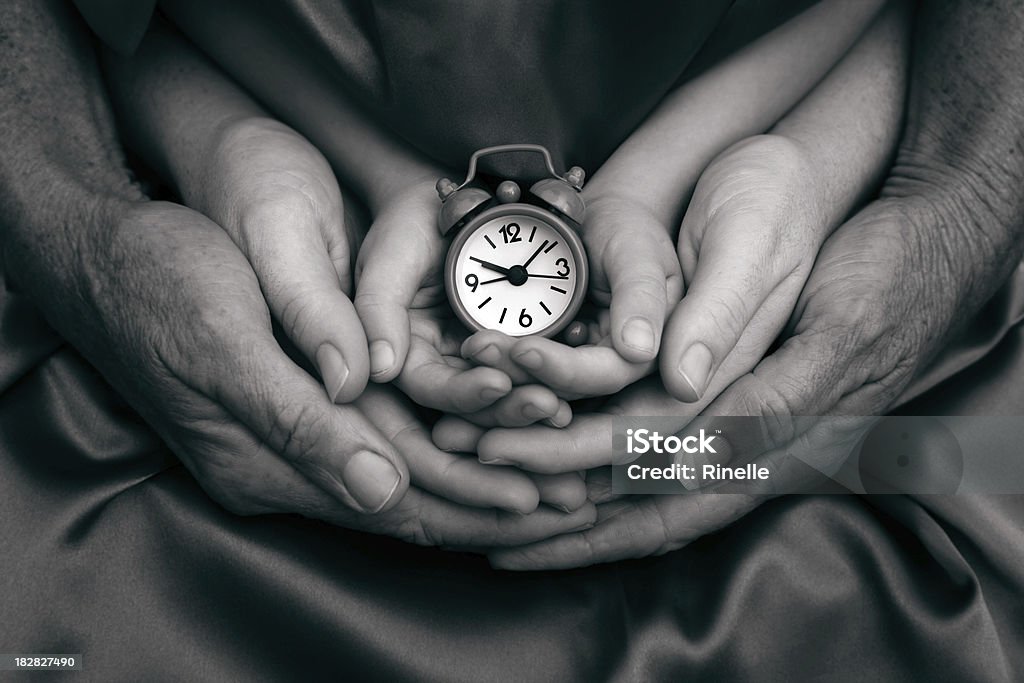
<point>302,288</point>
<point>393,264</point>
<point>642,273</point>
<point>335,447</point>
<point>745,278</point>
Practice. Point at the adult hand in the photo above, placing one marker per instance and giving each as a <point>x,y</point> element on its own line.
<point>160,300</point>
<point>170,311</point>
<point>277,198</point>
<point>884,294</point>
<point>888,288</point>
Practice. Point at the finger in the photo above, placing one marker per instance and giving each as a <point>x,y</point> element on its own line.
<point>426,519</point>
<point>577,372</point>
<point>336,447</point>
<point>394,263</point>
<point>583,445</point>
<point>631,528</point>
<point>599,486</point>
<point>439,382</point>
<point>493,349</point>
<point>645,280</point>
<point>453,433</point>
<point>302,289</point>
<point>732,280</point>
<point>454,476</point>
<point>524,406</point>
<point>565,492</point>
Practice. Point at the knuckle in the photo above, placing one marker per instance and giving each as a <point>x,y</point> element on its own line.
<point>774,409</point>
<point>726,311</point>
<point>413,530</point>
<point>298,432</point>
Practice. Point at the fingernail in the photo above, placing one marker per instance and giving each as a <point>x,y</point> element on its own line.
<point>562,418</point>
<point>333,369</point>
<point>489,354</point>
<point>371,479</point>
<point>534,412</point>
<point>695,367</point>
<point>575,334</point>
<point>493,461</point>
<point>638,334</point>
<point>561,508</point>
<point>382,357</point>
<point>530,359</point>
<point>492,394</point>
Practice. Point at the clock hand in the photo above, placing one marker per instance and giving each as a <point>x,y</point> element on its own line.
<point>551,277</point>
<point>539,249</point>
<point>497,279</point>
<point>490,266</point>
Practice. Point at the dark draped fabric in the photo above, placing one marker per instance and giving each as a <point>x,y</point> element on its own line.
<point>109,548</point>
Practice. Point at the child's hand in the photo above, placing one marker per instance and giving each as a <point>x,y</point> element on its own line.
<point>277,198</point>
<point>635,282</point>
<point>414,336</point>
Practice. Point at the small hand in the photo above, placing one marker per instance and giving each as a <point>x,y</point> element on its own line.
<point>497,279</point>
<point>631,254</point>
<point>414,336</point>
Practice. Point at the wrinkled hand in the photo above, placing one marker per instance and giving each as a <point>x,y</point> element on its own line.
<point>414,337</point>
<point>169,310</point>
<point>885,293</point>
<point>635,282</point>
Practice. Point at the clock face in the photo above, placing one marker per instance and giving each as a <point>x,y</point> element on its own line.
<point>518,272</point>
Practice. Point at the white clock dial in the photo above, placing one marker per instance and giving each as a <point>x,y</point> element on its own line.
<point>516,274</point>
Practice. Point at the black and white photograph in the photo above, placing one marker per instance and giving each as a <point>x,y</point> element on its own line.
<point>512,340</point>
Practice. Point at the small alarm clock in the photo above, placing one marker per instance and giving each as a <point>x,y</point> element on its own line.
<point>516,263</point>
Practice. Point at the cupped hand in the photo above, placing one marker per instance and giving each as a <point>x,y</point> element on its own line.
<point>414,337</point>
<point>634,283</point>
<point>278,199</point>
<point>885,293</point>
<point>169,310</point>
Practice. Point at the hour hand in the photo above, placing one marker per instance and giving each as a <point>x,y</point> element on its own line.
<point>490,266</point>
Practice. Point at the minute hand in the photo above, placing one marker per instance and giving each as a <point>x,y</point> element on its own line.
<point>539,249</point>
<point>552,277</point>
<point>490,266</point>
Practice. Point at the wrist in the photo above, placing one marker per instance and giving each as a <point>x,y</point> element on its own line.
<point>54,251</point>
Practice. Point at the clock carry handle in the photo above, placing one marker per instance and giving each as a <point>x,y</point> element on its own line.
<point>560,192</point>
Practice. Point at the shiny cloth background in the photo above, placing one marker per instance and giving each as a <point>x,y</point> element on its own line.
<point>109,548</point>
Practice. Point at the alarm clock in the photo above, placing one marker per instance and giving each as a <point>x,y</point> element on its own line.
<point>516,263</point>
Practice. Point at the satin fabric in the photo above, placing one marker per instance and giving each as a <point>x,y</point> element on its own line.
<point>110,549</point>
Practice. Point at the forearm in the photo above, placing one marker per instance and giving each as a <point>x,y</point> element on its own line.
<point>744,95</point>
<point>960,167</point>
<point>368,159</point>
<point>174,107</point>
<point>847,128</point>
<point>62,179</point>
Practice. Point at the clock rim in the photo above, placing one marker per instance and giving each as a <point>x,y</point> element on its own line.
<point>572,239</point>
